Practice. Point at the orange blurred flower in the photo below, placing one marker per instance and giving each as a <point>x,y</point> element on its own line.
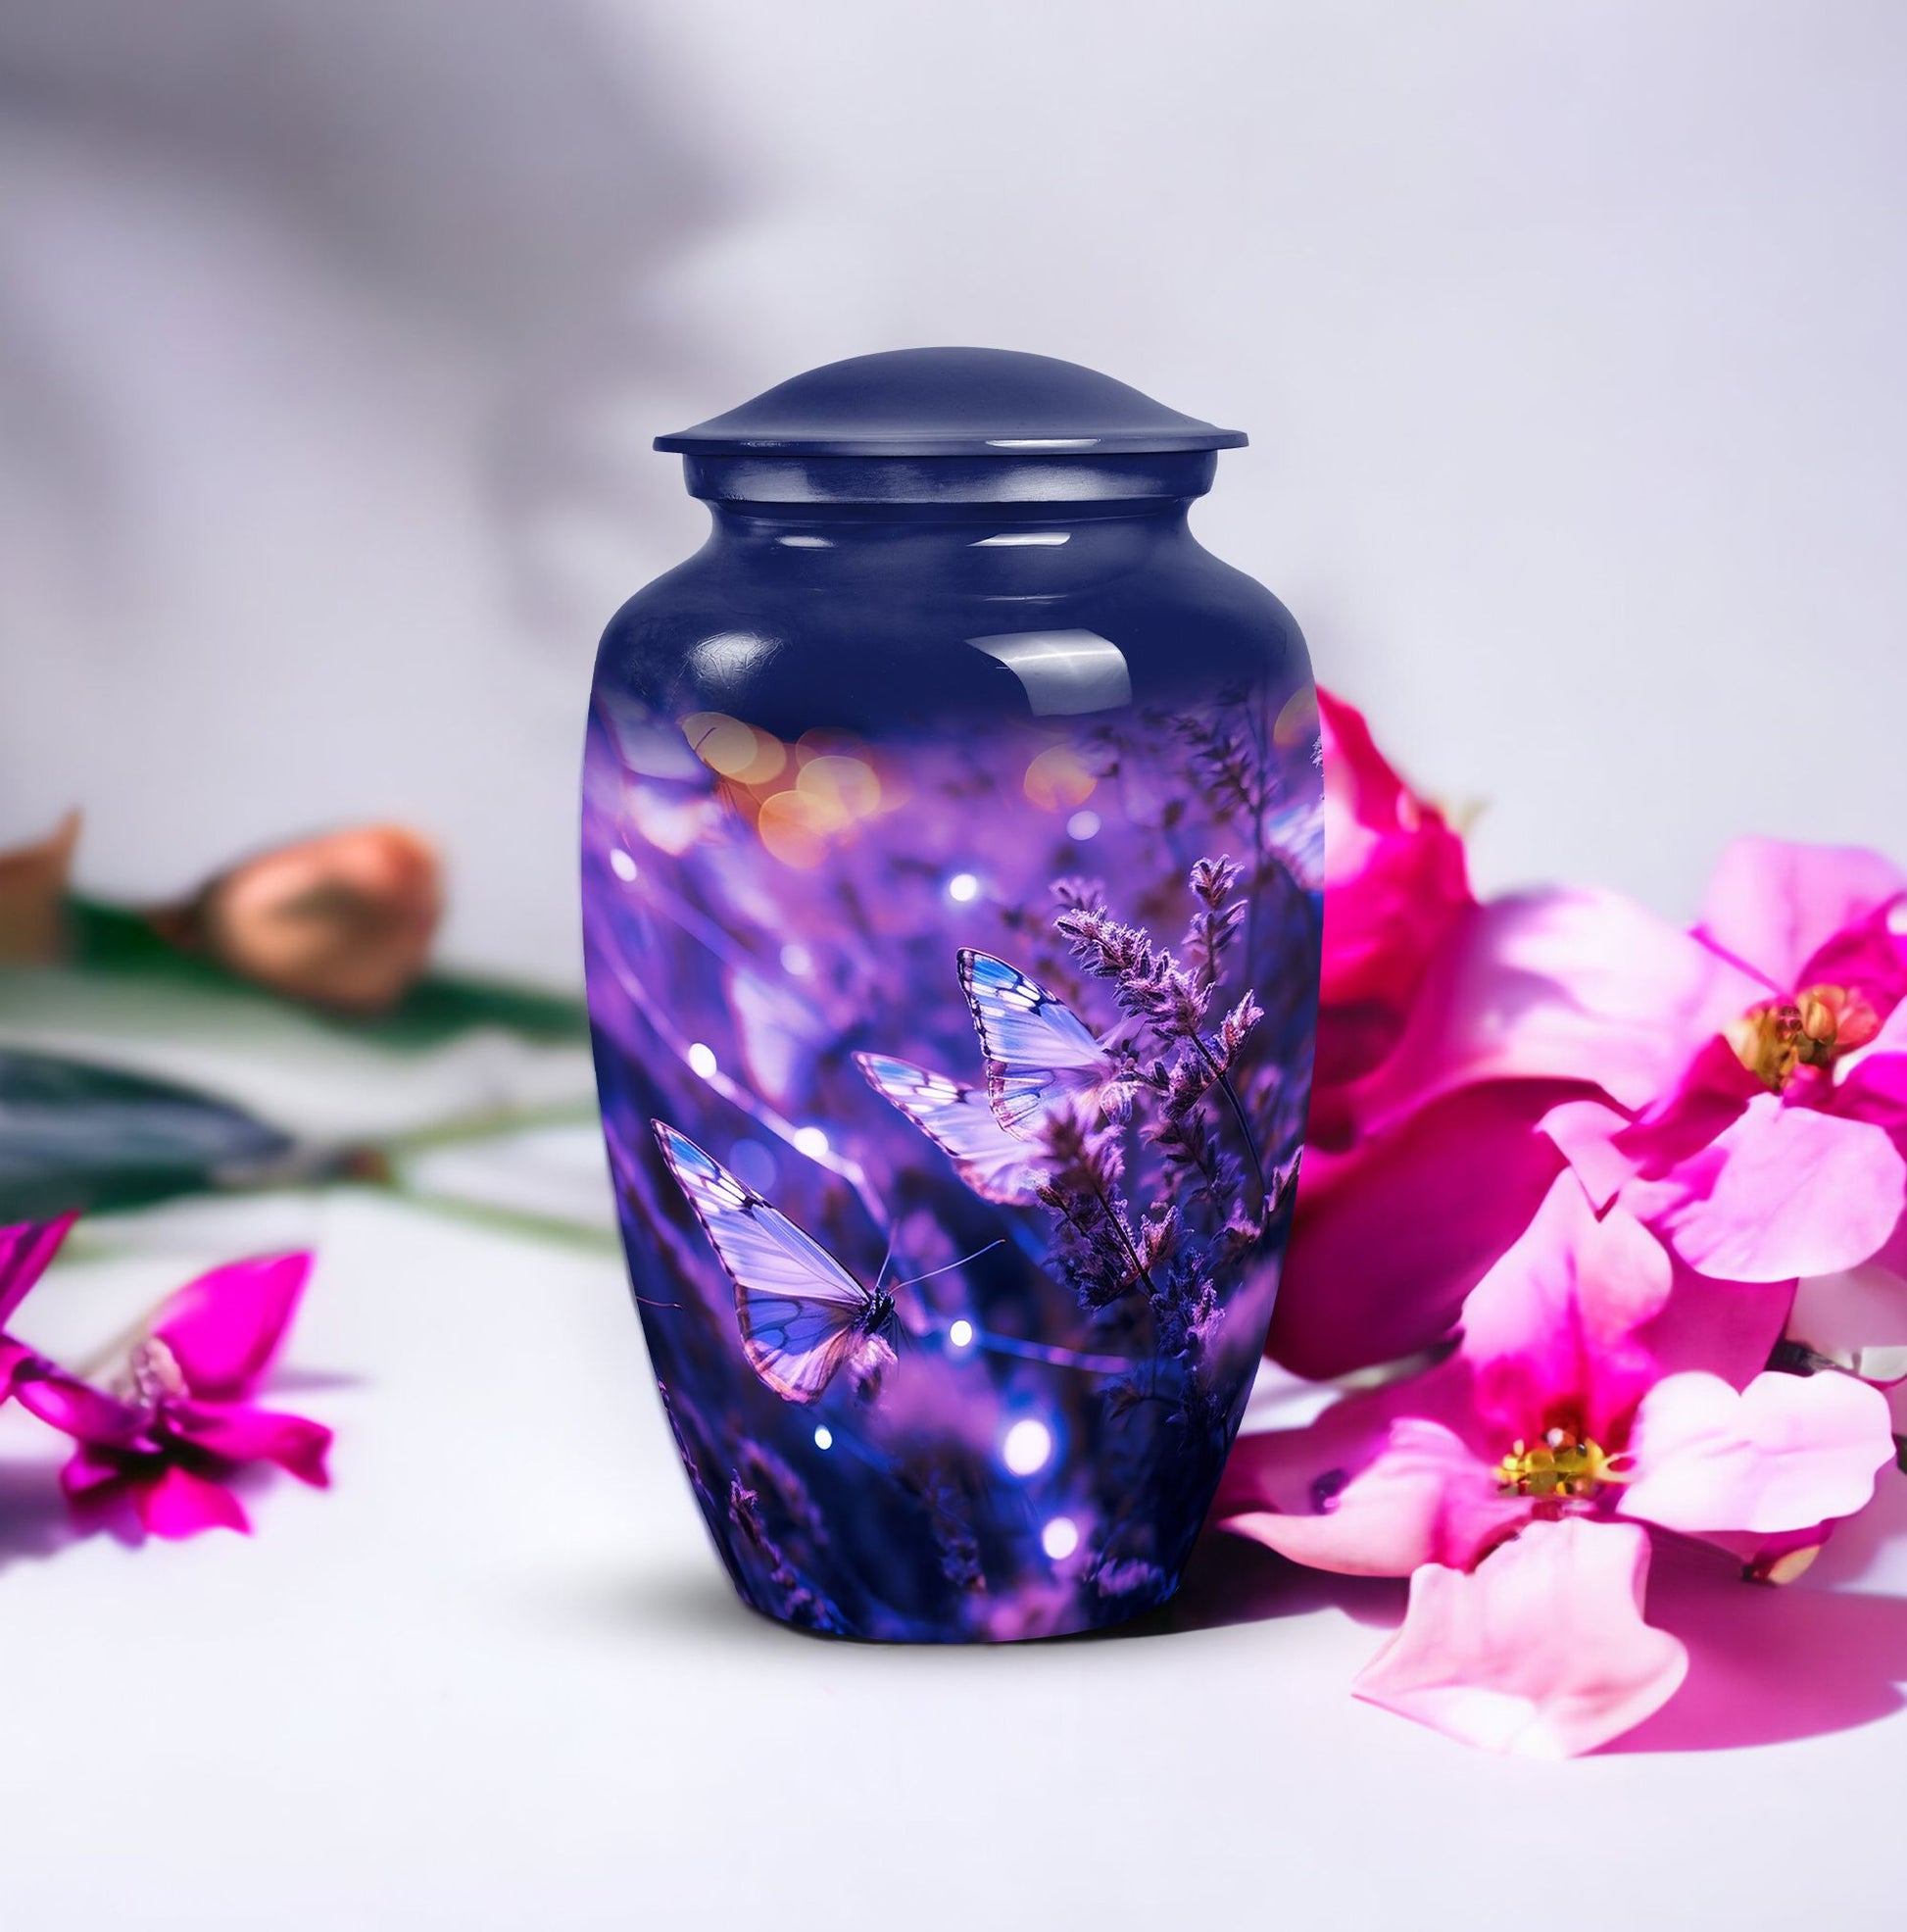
<point>33,895</point>
<point>342,920</point>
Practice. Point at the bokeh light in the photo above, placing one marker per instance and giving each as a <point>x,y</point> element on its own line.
<point>1027,1447</point>
<point>1059,1538</point>
<point>1058,780</point>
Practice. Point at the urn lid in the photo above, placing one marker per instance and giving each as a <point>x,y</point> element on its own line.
<point>951,402</point>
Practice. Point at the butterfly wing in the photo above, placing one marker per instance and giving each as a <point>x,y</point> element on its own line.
<point>1038,1051</point>
<point>960,1120</point>
<point>799,1311</point>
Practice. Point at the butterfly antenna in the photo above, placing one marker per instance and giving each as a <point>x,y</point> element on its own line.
<point>886,1260</point>
<point>998,1242</point>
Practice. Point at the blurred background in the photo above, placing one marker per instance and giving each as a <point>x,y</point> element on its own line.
<point>332,339</point>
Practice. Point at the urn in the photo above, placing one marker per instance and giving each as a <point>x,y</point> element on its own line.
<point>950,870</point>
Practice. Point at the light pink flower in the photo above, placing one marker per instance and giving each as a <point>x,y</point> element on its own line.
<point>181,1426</point>
<point>1598,1382</point>
<point>1779,1149</point>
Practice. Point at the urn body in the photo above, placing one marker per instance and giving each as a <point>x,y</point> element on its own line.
<point>950,886</point>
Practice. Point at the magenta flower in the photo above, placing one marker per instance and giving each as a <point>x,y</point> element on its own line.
<point>1394,883</point>
<point>1600,1387</point>
<point>26,1248</point>
<point>181,1426</point>
<point>1439,1065</point>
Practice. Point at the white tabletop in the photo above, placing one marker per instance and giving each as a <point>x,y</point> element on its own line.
<point>496,1677</point>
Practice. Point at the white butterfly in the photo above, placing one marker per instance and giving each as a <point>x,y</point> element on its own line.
<point>960,1120</point>
<point>1040,1057</point>
<point>802,1314</point>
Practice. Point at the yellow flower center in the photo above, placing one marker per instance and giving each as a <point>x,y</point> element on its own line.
<point>1779,1037</point>
<point>1562,1464</point>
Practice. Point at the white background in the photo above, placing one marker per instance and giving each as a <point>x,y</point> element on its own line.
<point>1569,338</point>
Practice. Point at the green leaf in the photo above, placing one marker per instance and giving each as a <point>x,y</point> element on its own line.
<point>78,1135</point>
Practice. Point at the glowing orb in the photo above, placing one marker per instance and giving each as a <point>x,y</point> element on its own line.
<point>1061,1538</point>
<point>1027,1447</point>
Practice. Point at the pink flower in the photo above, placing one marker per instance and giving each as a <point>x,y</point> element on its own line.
<point>1599,1384</point>
<point>1776,1151</point>
<point>181,1426</point>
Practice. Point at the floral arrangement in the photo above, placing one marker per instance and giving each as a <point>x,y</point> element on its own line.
<point>1601,1233</point>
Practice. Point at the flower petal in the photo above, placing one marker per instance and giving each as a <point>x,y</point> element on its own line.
<point>1561,985</point>
<point>1785,1191</point>
<point>1786,1453</point>
<point>26,1248</point>
<point>177,1504</point>
<point>1773,905</point>
<point>76,1408</point>
<point>226,1326</point>
<point>1549,1327</point>
<point>89,1473</point>
<point>241,1433</point>
<point>1390,1237</point>
<point>1542,1652</point>
<point>1586,1130</point>
<point>1427,1497</point>
<point>1394,871</point>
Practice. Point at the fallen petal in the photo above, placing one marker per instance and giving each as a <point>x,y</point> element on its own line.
<point>1540,1652</point>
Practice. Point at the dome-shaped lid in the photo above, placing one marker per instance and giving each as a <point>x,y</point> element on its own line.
<point>950,402</point>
